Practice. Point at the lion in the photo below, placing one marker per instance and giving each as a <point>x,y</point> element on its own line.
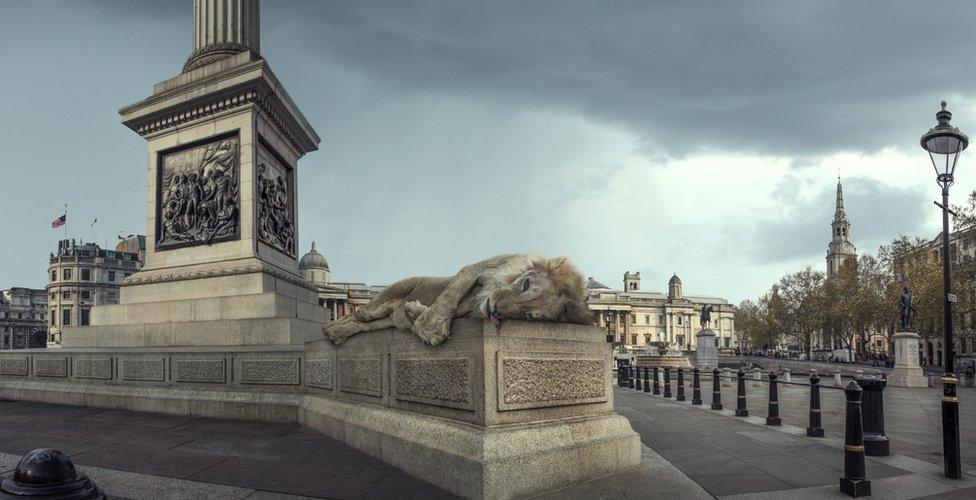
<point>510,286</point>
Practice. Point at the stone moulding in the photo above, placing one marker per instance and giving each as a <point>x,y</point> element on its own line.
<point>270,371</point>
<point>434,381</point>
<point>320,373</point>
<point>212,371</point>
<point>144,279</point>
<point>93,368</point>
<point>17,366</point>
<point>361,375</point>
<point>51,367</point>
<point>539,381</point>
<point>145,370</point>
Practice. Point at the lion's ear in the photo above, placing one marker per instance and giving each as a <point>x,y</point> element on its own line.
<point>574,312</point>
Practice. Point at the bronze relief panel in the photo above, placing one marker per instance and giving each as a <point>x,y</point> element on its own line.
<point>198,197</point>
<point>276,201</point>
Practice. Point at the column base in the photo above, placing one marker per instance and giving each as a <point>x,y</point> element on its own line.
<point>855,487</point>
<point>815,432</point>
<point>876,445</point>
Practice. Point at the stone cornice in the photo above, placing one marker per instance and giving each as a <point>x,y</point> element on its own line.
<point>148,278</point>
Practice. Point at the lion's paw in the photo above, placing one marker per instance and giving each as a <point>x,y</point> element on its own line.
<point>432,329</point>
<point>414,309</point>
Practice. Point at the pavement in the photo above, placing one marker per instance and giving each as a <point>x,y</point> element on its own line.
<point>689,452</point>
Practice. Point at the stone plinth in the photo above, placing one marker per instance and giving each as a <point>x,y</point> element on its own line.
<point>706,352</point>
<point>907,372</point>
<point>492,413</point>
<point>673,362</point>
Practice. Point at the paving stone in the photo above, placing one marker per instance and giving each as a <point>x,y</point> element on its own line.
<point>133,457</point>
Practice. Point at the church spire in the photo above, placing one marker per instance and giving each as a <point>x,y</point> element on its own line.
<point>839,214</point>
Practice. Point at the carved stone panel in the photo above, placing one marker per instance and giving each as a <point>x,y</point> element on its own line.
<point>198,194</point>
<point>98,369</point>
<point>276,201</point>
<point>270,371</point>
<point>361,375</point>
<point>212,371</point>
<point>149,370</point>
<point>538,382</point>
<point>51,367</point>
<point>319,373</point>
<point>14,366</point>
<point>434,381</point>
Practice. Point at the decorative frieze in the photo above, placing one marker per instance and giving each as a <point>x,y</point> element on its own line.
<point>212,371</point>
<point>93,368</point>
<point>149,370</point>
<point>319,373</point>
<point>361,375</point>
<point>434,381</point>
<point>537,382</point>
<point>51,367</point>
<point>14,366</point>
<point>270,371</point>
<point>275,193</point>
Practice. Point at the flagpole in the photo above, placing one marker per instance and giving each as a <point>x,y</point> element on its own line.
<point>66,221</point>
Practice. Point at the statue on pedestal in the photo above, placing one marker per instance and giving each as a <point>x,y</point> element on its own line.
<point>706,317</point>
<point>907,309</point>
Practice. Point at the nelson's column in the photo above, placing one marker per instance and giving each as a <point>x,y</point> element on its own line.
<point>222,222</point>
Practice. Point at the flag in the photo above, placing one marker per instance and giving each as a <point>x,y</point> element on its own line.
<point>94,221</point>
<point>60,221</point>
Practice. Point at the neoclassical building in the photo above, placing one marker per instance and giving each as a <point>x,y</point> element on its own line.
<point>85,275</point>
<point>340,298</point>
<point>641,317</point>
<point>22,322</point>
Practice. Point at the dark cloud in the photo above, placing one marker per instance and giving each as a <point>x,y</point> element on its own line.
<point>801,227</point>
<point>791,78</point>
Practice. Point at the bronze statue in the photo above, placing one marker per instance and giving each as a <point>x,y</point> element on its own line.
<point>907,309</point>
<point>706,317</point>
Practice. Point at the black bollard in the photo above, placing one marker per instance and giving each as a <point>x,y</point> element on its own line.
<point>638,383</point>
<point>740,403</point>
<point>622,376</point>
<point>854,482</point>
<point>681,384</point>
<point>47,473</point>
<point>872,406</point>
<point>657,384</point>
<point>630,377</point>
<point>647,380</point>
<point>667,382</point>
<point>772,415</point>
<point>695,388</point>
<point>814,429</point>
<point>716,390</point>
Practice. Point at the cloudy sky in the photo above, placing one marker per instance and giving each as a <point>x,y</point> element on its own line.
<point>698,138</point>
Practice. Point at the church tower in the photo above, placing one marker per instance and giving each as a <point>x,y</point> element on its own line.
<point>840,249</point>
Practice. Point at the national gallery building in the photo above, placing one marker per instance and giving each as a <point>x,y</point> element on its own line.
<point>641,317</point>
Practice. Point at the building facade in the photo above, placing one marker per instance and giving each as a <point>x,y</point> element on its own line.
<point>641,318</point>
<point>84,275</point>
<point>841,249</point>
<point>22,312</point>
<point>340,298</point>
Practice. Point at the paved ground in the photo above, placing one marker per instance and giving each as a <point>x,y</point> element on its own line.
<point>743,458</point>
<point>691,452</point>
<point>199,457</point>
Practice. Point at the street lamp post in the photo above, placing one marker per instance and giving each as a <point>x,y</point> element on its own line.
<point>944,143</point>
<point>608,318</point>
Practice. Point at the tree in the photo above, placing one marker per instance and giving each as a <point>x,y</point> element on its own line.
<point>806,306</point>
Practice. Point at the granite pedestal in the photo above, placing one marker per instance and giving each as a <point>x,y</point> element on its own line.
<point>907,372</point>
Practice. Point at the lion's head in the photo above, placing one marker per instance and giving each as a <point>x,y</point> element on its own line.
<point>548,290</point>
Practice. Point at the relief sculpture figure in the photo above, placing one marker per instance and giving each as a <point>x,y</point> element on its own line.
<point>275,224</point>
<point>199,198</point>
<point>510,286</point>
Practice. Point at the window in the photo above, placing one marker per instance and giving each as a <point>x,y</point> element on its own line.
<point>66,317</point>
<point>680,340</point>
<point>54,275</point>
<point>65,295</point>
<point>111,275</point>
<point>633,340</point>
<point>126,275</point>
<point>660,319</point>
<point>633,319</point>
<point>112,298</point>
<point>54,317</point>
<point>679,320</point>
<point>647,319</point>
<point>66,274</point>
<point>86,294</point>
<point>53,295</point>
<point>85,274</point>
<point>727,341</point>
<point>85,316</point>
